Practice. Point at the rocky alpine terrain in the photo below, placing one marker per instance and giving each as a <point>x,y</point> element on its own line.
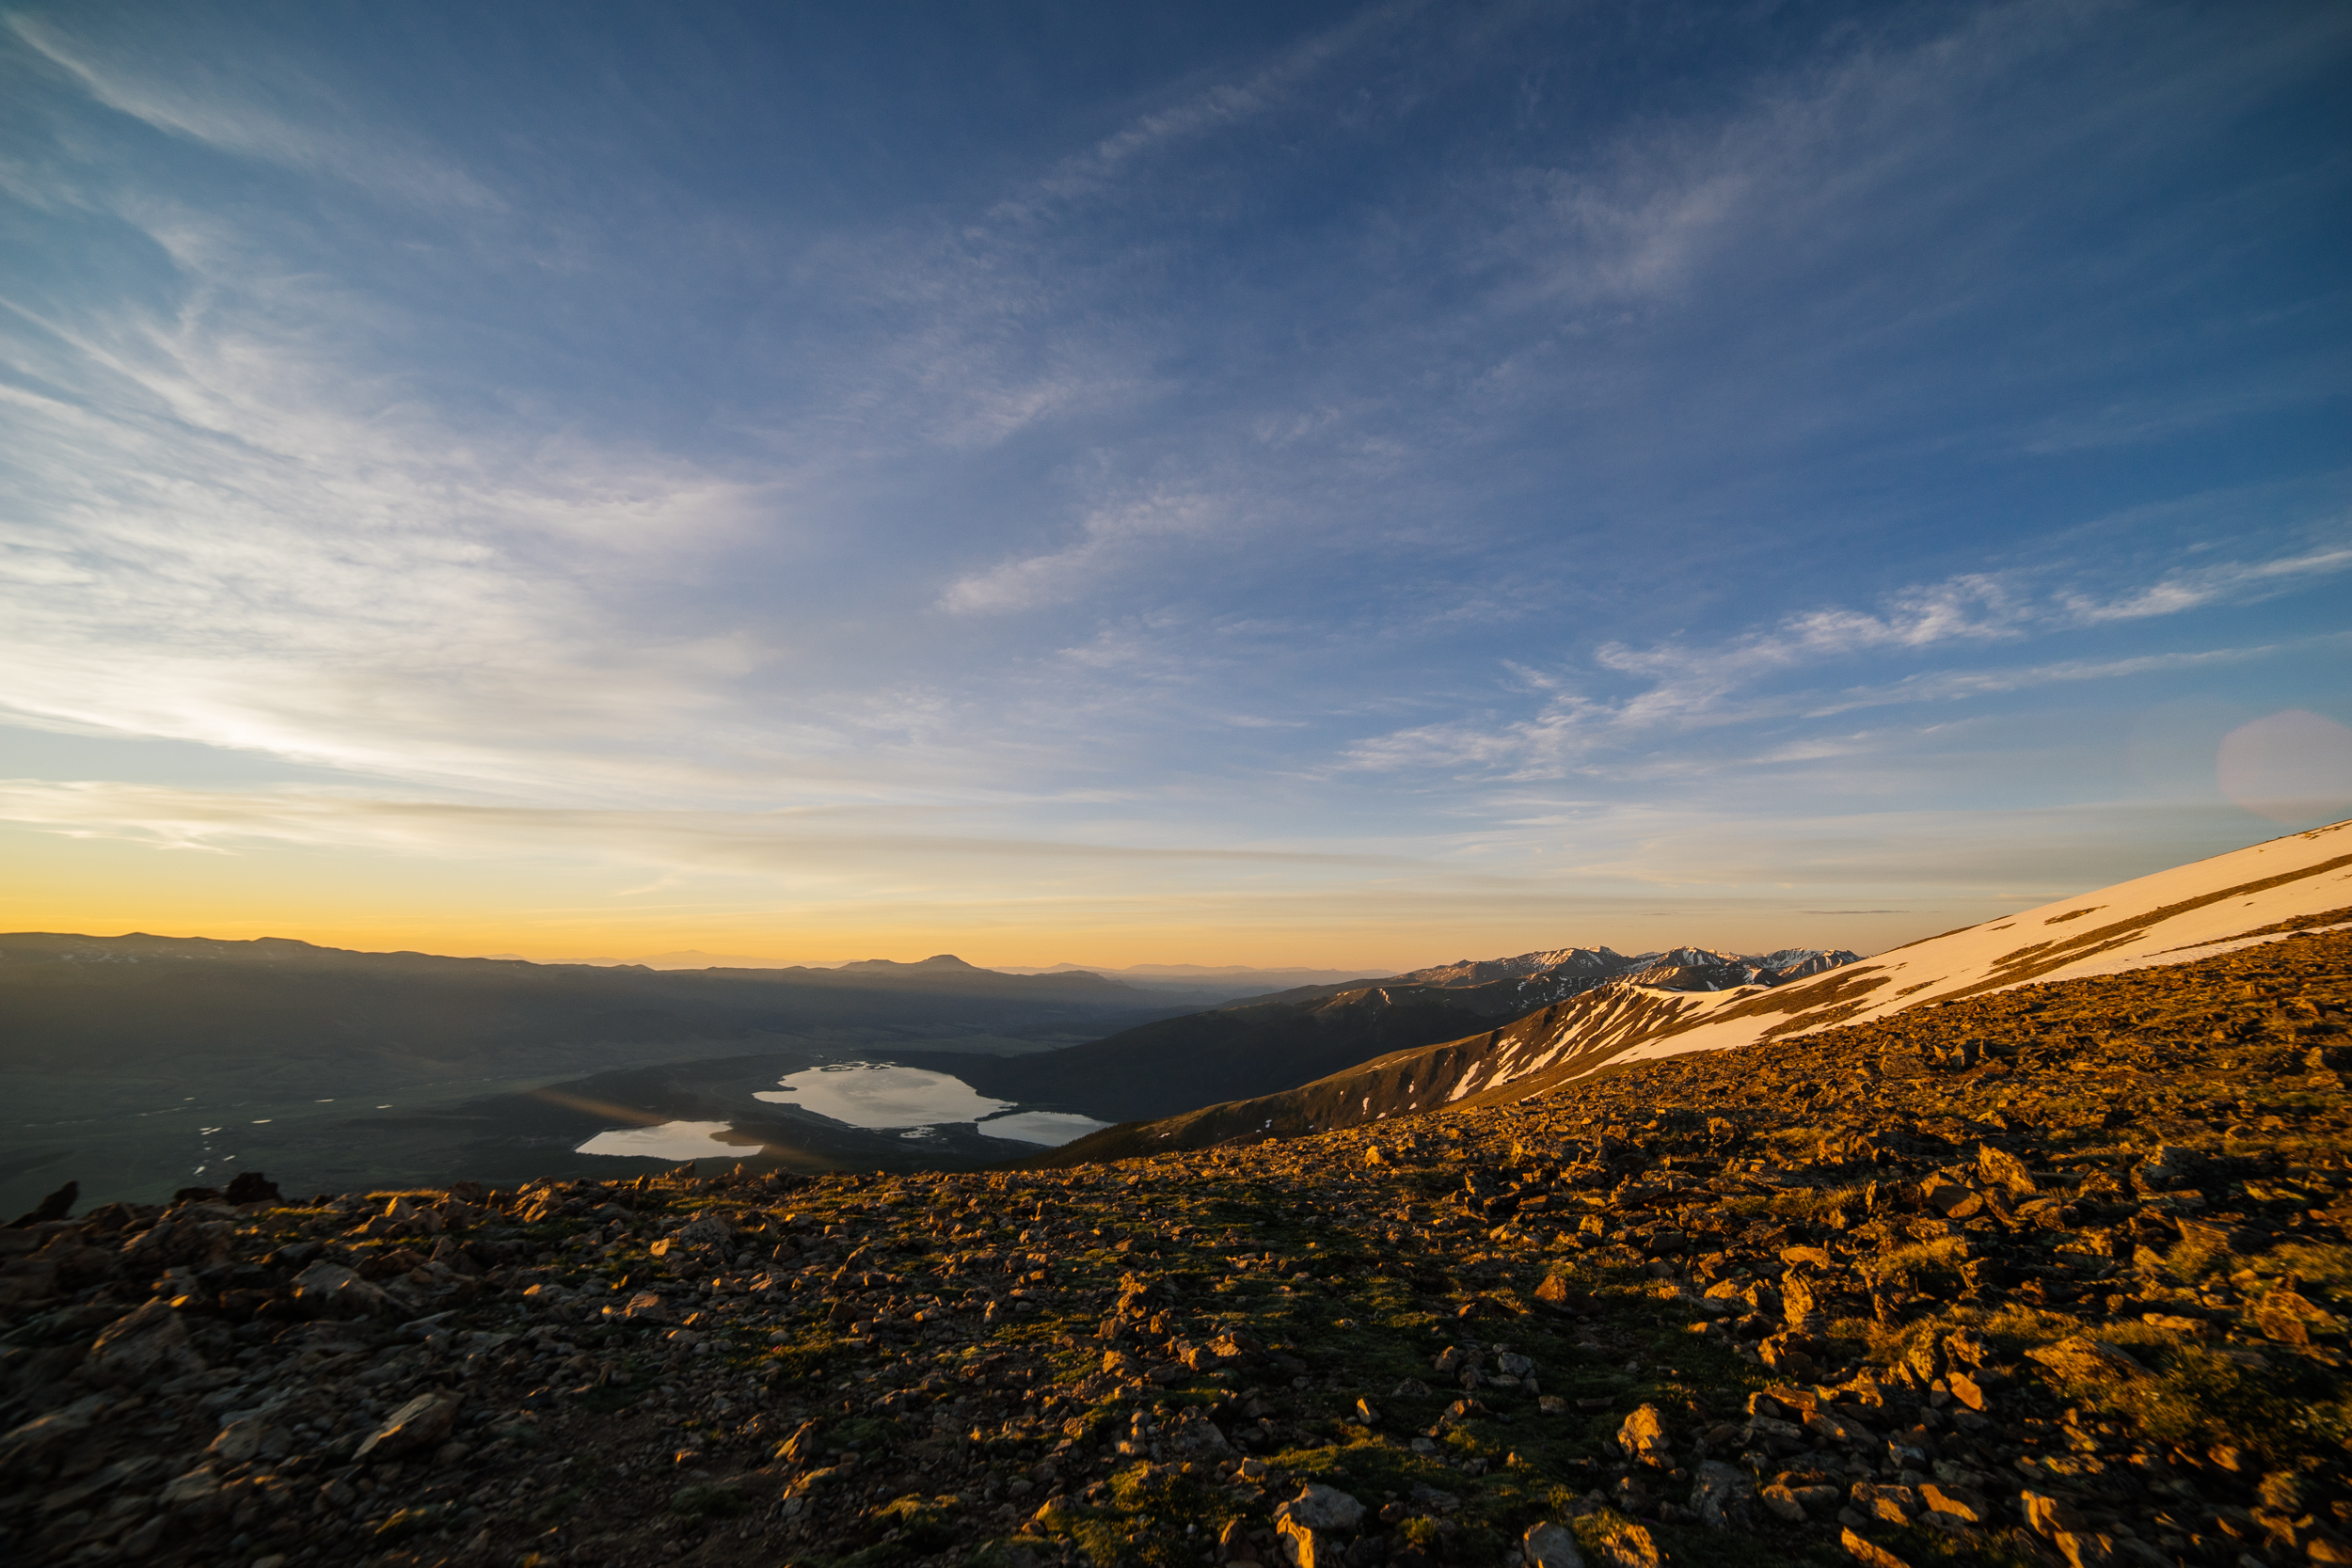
<point>2052,1273</point>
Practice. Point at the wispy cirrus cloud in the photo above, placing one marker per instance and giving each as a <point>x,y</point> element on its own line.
<point>1110,537</point>
<point>1743,681</point>
<point>225,539</point>
<point>816,844</point>
<point>305,129</point>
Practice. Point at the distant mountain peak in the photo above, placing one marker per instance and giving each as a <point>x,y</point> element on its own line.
<point>1671,969</point>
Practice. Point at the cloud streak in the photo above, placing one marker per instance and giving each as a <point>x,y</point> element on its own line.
<point>1684,687</point>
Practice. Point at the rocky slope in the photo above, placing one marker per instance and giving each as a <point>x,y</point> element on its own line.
<point>2302,881</point>
<point>2051,1275</point>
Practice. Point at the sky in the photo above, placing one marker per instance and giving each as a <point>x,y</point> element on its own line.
<point>1351,485</point>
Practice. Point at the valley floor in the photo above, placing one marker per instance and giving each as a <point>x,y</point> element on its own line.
<point>2054,1275</point>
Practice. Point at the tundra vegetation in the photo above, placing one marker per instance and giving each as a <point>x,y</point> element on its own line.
<point>2055,1274</point>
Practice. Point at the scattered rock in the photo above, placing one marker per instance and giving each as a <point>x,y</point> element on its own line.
<point>1320,1507</point>
<point>330,1290</point>
<point>1629,1545</point>
<point>422,1424</point>
<point>1306,1546</point>
<point>2083,1357</point>
<point>1643,1437</point>
<point>147,1345</point>
<point>36,1437</point>
<point>56,1206</point>
<point>1868,1553</point>
<point>1723,1497</point>
<point>1550,1546</point>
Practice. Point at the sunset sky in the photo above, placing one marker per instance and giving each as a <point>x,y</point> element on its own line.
<point>1351,485</point>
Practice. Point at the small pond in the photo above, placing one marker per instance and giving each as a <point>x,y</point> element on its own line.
<point>672,1140</point>
<point>1050,1127</point>
<point>872,1094</point>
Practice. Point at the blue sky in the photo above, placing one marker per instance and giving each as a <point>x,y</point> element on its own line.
<point>1353,485</point>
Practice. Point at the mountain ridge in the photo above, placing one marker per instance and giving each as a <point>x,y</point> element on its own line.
<point>1270,1043</point>
<point>2262,891</point>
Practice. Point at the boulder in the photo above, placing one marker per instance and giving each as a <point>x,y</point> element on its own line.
<point>330,1290</point>
<point>1723,1497</point>
<point>171,1242</point>
<point>1950,1199</point>
<point>2004,1170</point>
<point>1958,1502</point>
<point>56,1206</point>
<point>1557,1291</point>
<point>804,1445</point>
<point>2285,1316</point>
<point>251,1186</point>
<point>2083,1357</point>
<point>1303,1546</point>
<point>141,1347</point>
<point>1868,1553</point>
<point>1644,1436</point>
<point>1192,1436</point>
<point>704,1230</point>
<point>1550,1546</point>
<point>1629,1545</point>
<point>421,1425</point>
<point>24,1444</point>
<point>1320,1507</point>
<point>244,1437</point>
<point>2047,1515</point>
<point>1798,1503</point>
<point>1836,1429</point>
<point>1894,1505</point>
<point>2168,1167</point>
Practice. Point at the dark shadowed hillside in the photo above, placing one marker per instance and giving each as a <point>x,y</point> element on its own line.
<point>96,1005</point>
<point>137,1060</point>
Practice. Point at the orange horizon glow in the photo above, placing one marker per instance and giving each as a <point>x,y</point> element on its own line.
<point>473,899</point>
<point>102,888</point>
